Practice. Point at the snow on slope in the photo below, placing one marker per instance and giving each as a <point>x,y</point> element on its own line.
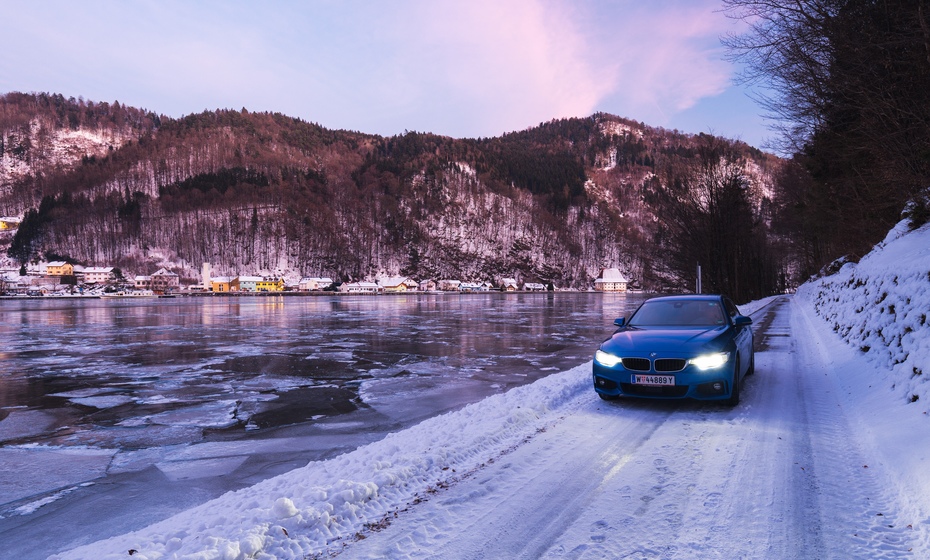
<point>881,306</point>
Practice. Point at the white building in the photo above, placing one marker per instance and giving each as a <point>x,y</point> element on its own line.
<point>360,288</point>
<point>164,281</point>
<point>314,284</point>
<point>449,285</point>
<point>611,281</point>
<point>98,274</point>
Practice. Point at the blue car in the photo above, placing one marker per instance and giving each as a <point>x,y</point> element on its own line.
<point>676,347</point>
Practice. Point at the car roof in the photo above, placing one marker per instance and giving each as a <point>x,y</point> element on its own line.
<point>688,297</point>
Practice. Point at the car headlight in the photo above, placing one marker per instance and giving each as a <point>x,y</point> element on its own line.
<point>710,361</point>
<point>606,359</point>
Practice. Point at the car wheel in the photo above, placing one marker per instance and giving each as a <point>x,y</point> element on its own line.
<point>752,364</point>
<point>734,393</point>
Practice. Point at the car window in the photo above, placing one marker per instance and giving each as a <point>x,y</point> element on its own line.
<point>679,313</point>
<point>732,311</point>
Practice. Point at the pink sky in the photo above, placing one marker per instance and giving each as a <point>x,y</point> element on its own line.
<point>463,69</point>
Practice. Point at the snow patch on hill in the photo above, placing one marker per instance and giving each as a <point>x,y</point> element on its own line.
<point>47,146</point>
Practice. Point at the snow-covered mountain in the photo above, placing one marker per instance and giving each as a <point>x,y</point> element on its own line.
<point>272,195</point>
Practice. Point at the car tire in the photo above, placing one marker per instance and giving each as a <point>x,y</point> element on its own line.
<point>752,364</point>
<point>734,392</point>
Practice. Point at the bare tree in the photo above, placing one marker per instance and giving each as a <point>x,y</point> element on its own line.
<point>849,88</point>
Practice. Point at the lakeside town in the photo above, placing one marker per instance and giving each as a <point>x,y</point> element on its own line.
<point>64,279</point>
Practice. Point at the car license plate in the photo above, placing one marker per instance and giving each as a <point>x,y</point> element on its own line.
<point>654,379</point>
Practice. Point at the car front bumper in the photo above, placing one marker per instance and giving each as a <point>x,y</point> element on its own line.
<point>690,383</point>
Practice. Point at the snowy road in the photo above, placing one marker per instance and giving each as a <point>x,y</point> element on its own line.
<point>783,475</point>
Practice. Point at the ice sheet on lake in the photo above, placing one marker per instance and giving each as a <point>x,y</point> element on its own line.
<point>200,468</point>
<point>219,414</point>
<point>105,401</point>
<point>40,469</point>
<point>25,423</point>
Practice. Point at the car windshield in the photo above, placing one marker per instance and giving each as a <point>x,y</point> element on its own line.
<point>679,313</point>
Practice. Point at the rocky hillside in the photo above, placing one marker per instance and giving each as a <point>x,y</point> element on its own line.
<point>263,193</point>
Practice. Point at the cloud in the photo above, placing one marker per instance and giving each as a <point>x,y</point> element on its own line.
<point>528,60</point>
<point>668,59</point>
<point>493,66</point>
<point>485,67</point>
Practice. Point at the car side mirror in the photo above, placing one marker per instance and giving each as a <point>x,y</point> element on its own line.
<point>742,321</point>
<point>620,322</point>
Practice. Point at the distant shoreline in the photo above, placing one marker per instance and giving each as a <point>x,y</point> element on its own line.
<point>312,294</point>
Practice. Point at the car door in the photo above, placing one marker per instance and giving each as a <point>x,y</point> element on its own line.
<point>743,333</point>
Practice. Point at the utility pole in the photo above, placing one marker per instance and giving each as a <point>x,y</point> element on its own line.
<point>698,286</point>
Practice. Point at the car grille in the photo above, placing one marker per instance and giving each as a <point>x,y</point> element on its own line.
<point>636,364</point>
<point>670,364</point>
<point>663,365</point>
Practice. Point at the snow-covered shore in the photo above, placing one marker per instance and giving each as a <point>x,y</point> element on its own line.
<point>878,307</point>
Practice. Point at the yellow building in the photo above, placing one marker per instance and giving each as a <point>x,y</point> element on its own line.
<point>221,284</point>
<point>59,268</point>
<point>9,223</point>
<point>397,284</point>
<point>269,285</point>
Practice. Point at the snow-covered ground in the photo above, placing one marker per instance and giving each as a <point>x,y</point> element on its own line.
<point>826,457</point>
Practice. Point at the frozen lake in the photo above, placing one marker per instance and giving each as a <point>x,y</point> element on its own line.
<point>171,402</point>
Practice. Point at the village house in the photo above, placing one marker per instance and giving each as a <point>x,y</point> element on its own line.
<point>509,285</point>
<point>249,283</point>
<point>269,285</point>
<point>223,284</point>
<point>534,287</point>
<point>9,223</point>
<point>449,285</point>
<point>7,282</point>
<point>427,286</point>
<point>142,282</point>
<point>98,274</point>
<point>59,268</point>
<point>360,288</point>
<point>314,284</point>
<point>611,280</point>
<point>164,281</point>
<point>397,284</point>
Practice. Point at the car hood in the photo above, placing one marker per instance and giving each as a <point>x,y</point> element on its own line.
<point>669,341</point>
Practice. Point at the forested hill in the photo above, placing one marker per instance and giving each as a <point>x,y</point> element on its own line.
<point>263,193</point>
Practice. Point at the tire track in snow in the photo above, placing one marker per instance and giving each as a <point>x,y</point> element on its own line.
<point>859,515</point>
<point>490,515</point>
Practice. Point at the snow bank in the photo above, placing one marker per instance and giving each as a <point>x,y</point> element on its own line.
<point>881,306</point>
<point>298,513</point>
